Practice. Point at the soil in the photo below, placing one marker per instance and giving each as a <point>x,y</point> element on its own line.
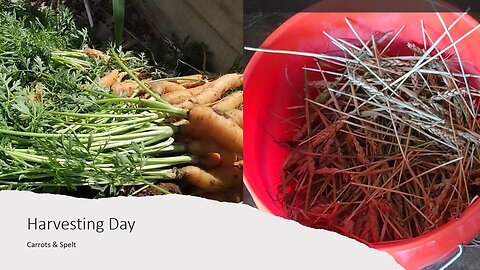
<point>139,36</point>
<point>170,187</point>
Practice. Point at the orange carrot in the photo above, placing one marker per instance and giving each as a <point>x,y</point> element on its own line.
<point>124,88</point>
<point>177,96</point>
<point>120,76</point>
<point>216,179</point>
<point>220,129</point>
<point>180,95</point>
<point>217,88</point>
<point>197,90</point>
<point>191,80</point>
<point>96,53</point>
<point>192,84</point>
<point>200,88</point>
<point>187,104</point>
<point>201,147</point>
<point>189,131</point>
<point>209,160</point>
<point>236,116</point>
<point>228,158</point>
<point>163,87</point>
<point>198,147</point>
<point>230,102</point>
<point>93,52</point>
<point>109,79</point>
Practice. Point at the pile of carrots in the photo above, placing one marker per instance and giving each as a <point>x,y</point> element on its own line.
<point>213,130</point>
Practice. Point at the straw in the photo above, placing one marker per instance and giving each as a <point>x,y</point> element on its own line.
<point>385,151</point>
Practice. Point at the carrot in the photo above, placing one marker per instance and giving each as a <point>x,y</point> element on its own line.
<point>236,116</point>
<point>201,147</point>
<point>93,52</point>
<point>109,79</point>
<point>124,88</point>
<point>198,144</point>
<point>197,90</point>
<point>181,97</point>
<point>217,88</point>
<point>120,76</point>
<point>189,131</point>
<point>191,80</point>
<point>209,160</point>
<point>187,104</point>
<point>220,129</point>
<point>192,84</point>
<point>177,96</point>
<point>163,87</point>
<point>96,53</point>
<point>230,102</point>
<point>37,96</point>
<point>228,158</point>
<point>213,180</point>
<point>200,88</point>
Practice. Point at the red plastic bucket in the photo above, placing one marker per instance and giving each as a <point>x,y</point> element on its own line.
<point>268,93</point>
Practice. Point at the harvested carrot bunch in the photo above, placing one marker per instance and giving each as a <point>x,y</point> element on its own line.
<point>93,123</point>
<point>389,145</point>
<point>211,128</point>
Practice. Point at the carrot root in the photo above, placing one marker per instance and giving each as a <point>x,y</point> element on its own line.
<point>164,87</point>
<point>209,160</point>
<point>212,180</point>
<point>236,116</point>
<point>109,79</point>
<point>94,52</point>
<point>191,80</point>
<point>202,147</point>
<point>220,129</point>
<point>124,88</point>
<point>217,88</point>
<point>177,96</point>
<point>230,102</point>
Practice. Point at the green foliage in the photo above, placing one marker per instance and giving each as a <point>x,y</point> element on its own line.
<point>118,7</point>
<point>28,36</point>
<point>55,134</point>
<point>28,32</point>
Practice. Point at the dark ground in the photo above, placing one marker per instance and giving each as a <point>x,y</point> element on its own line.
<point>257,26</point>
<point>138,36</point>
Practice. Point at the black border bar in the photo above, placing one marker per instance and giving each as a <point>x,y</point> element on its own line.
<point>293,6</point>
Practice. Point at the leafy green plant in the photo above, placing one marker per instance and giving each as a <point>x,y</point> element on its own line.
<point>118,7</point>
<point>62,131</point>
